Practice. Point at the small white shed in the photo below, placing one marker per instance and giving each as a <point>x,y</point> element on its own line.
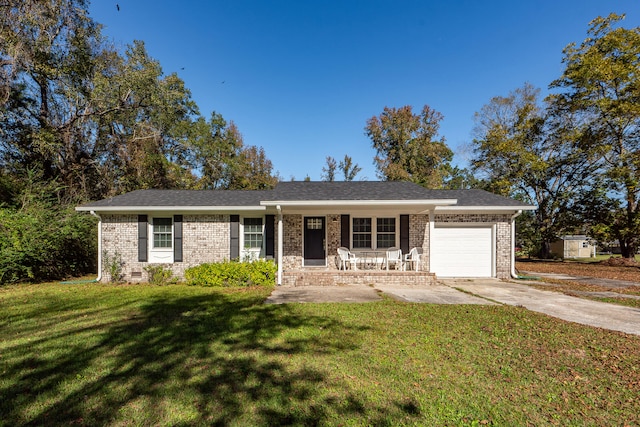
<point>574,246</point>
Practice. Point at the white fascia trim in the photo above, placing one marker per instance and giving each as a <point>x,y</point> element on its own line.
<point>312,203</point>
<point>485,208</point>
<point>171,208</point>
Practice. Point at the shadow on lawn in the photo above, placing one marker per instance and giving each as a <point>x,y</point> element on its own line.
<point>213,359</point>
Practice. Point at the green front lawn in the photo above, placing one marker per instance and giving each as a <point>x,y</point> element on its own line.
<point>89,354</point>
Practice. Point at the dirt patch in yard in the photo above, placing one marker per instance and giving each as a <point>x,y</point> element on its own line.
<point>604,270</point>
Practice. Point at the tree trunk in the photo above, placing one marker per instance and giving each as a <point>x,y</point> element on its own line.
<point>545,250</point>
<point>628,250</point>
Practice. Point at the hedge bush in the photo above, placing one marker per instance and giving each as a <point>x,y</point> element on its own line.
<point>41,243</point>
<point>233,273</point>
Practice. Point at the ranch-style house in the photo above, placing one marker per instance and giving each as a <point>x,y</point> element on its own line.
<point>316,232</point>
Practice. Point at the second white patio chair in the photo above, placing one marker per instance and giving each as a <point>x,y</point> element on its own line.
<point>394,258</point>
<point>412,259</point>
<point>347,258</point>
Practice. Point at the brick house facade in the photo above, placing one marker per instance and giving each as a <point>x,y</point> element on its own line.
<point>180,229</point>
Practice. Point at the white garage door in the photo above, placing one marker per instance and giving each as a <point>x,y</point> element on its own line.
<point>462,252</point>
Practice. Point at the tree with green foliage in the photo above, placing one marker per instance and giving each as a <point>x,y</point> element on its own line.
<point>86,121</point>
<point>408,147</point>
<point>48,52</point>
<point>252,171</point>
<point>522,151</point>
<point>102,122</point>
<point>216,148</point>
<point>348,168</point>
<point>462,179</point>
<point>222,161</point>
<point>99,122</point>
<point>146,125</point>
<point>601,87</point>
<point>41,238</point>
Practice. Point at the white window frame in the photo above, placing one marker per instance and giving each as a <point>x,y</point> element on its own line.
<point>160,254</point>
<point>251,254</point>
<point>374,232</point>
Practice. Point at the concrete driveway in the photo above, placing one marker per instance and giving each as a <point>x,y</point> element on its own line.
<point>593,313</point>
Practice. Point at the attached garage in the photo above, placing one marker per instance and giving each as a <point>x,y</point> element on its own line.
<point>462,251</point>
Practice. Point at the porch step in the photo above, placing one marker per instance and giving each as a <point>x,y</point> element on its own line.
<point>366,277</point>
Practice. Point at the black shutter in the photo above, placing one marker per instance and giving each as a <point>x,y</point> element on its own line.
<point>269,235</point>
<point>345,232</point>
<point>177,238</point>
<point>143,241</point>
<point>234,250</point>
<point>404,233</point>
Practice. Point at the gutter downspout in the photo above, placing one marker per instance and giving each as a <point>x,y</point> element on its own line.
<point>513,244</point>
<point>99,245</point>
<point>280,245</point>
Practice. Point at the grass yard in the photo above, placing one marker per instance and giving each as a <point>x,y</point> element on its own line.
<point>95,354</point>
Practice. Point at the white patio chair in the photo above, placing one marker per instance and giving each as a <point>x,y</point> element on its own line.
<point>347,258</point>
<point>412,259</point>
<point>394,258</point>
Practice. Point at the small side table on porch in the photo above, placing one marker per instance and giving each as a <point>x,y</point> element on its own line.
<point>372,260</point>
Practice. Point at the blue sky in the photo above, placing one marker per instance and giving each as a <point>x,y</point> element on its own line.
<point>301,78</point>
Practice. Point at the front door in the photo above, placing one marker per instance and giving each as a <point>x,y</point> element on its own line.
<point>314,238</point>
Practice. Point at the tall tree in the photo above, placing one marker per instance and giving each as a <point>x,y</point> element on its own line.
<point>47,56</point>
<point>462,179</point>
<point>145,125</point>
<point>223,161</point>
<point>348,168</point>
<point>522,151</point>
<point>79,112</point>
<point>329,171</point>
<point>408,146</point>
<point>253,171</point>
<point>216,149</point>
<point>601,86</point>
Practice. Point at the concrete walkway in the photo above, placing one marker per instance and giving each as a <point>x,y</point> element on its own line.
<point>572,309</point>
<point>433,294</point>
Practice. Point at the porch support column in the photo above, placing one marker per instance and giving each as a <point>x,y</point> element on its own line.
<point>432,226</point>
<point>280,244</point>
<point>513,244</point>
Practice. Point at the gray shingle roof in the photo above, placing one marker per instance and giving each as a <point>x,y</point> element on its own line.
<point>353,190</point>
<point>383,190</point>
<point>301,191</point>
<point>479,198</point>
<point>194,198</point>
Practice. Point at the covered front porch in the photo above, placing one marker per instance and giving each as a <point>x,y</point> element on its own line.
<point>308,239</point>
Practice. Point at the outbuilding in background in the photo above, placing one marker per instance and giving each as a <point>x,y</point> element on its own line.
<point>574,246</point>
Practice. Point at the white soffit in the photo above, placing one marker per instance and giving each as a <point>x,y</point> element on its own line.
<point>355,203</point>
<point>117,209</point>
<point>482,209</point>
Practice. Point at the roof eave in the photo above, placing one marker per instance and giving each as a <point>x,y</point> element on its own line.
<point>324,203</point>
<point>485,208</point>
<point>168,208</point>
